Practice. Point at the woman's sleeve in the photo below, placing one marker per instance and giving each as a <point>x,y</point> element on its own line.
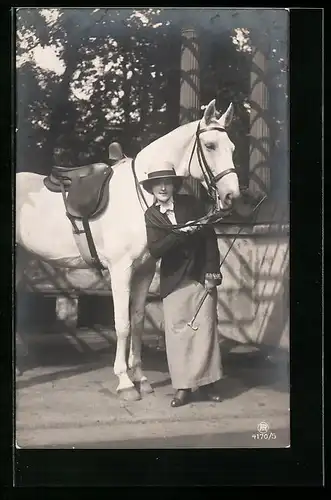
<point>160,241</point>
<point>212,251</point>
<point>212,255</point>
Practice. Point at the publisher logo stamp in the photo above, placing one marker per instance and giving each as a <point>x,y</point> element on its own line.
<point>263,427</point>
<point>263,432</point>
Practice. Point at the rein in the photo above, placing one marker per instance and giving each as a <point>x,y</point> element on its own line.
<point>211,181</point>
<point>240,229</point>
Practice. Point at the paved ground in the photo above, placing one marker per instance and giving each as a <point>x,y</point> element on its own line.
<point>67,398</point>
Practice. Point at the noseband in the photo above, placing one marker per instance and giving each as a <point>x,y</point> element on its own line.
<point>210,179</point>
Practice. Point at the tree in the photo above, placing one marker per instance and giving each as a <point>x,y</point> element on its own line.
<point>86,77</point>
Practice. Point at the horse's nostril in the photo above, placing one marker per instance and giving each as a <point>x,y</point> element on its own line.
<point>228,199</point>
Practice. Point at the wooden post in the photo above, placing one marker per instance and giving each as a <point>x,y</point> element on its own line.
<point>189,77</point>
<point>259,151</point>
<point>189,89</point>
<point>67,311</point>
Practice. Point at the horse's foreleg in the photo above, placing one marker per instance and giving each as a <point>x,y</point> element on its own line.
<point>120,283</point>
<point>140,286</point>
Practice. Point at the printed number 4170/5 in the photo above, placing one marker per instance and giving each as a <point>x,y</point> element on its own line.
<point>264,435</point>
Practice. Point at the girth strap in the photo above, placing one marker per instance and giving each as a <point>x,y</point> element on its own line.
<point>93,259</point>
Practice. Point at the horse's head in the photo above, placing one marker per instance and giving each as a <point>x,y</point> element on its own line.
<point>211,162</point>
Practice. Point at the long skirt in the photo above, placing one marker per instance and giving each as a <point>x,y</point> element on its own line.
<point>193,356</point>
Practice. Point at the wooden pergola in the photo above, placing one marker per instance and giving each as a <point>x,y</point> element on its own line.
<point>259,151</point>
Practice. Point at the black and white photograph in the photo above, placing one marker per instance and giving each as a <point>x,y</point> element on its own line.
<point>152,228</point>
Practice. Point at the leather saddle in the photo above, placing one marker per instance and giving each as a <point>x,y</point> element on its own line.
<point>86,187</point>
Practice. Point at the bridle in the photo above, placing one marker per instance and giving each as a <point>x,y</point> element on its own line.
<point>211,180</point>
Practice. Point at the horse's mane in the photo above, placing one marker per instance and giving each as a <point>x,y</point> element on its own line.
<point>153,148</point>
<point>121,161</point>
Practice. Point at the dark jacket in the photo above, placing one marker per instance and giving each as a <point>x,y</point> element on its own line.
<point>183,256</point>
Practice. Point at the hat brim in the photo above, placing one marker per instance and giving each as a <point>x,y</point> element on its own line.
<point>148,183</point>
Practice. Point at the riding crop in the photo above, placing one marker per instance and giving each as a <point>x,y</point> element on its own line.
<point>206,292</point>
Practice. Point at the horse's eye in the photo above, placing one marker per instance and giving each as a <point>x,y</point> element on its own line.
<point>210,146</point>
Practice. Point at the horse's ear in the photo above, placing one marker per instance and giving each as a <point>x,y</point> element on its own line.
<point>227,117</point>
<point>210,112</point>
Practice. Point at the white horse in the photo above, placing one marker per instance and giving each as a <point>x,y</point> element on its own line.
<point>43,229</point>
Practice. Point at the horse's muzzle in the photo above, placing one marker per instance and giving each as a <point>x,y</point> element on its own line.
<point>228,200</point>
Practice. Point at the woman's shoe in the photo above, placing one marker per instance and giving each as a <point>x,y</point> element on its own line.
<point>182,397</point>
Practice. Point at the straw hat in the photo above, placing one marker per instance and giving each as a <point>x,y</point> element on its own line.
<point>166,172</point>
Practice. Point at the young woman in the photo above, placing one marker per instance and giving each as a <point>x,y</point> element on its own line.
<point>190,263</point>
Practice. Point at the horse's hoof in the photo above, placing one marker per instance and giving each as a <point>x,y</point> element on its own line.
<point>145,387</point>
<point>129,394</point>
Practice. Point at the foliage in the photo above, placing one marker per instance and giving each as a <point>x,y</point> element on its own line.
<point>86,77</point>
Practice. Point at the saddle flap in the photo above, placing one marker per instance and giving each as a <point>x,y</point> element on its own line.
<point>87,188</point>
<point>88,195</point>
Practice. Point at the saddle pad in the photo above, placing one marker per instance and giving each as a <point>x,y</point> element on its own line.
<point>54,185</point>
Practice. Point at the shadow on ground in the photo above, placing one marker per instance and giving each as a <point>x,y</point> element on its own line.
<point>244,367</point>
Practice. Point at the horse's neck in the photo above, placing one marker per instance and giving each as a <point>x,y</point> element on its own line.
<point>171,147</point>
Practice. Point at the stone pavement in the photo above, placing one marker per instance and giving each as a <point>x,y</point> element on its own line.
<point>67,398</point>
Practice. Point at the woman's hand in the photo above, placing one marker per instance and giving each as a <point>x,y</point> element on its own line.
<point>212,280</point>
<point>210,284</point>
<point>188,228</point>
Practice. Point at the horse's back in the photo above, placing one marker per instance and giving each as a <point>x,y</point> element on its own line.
<point>41,223</point>
<point>28,182</point>
<point>118,231</point>
<point>31,193</point>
